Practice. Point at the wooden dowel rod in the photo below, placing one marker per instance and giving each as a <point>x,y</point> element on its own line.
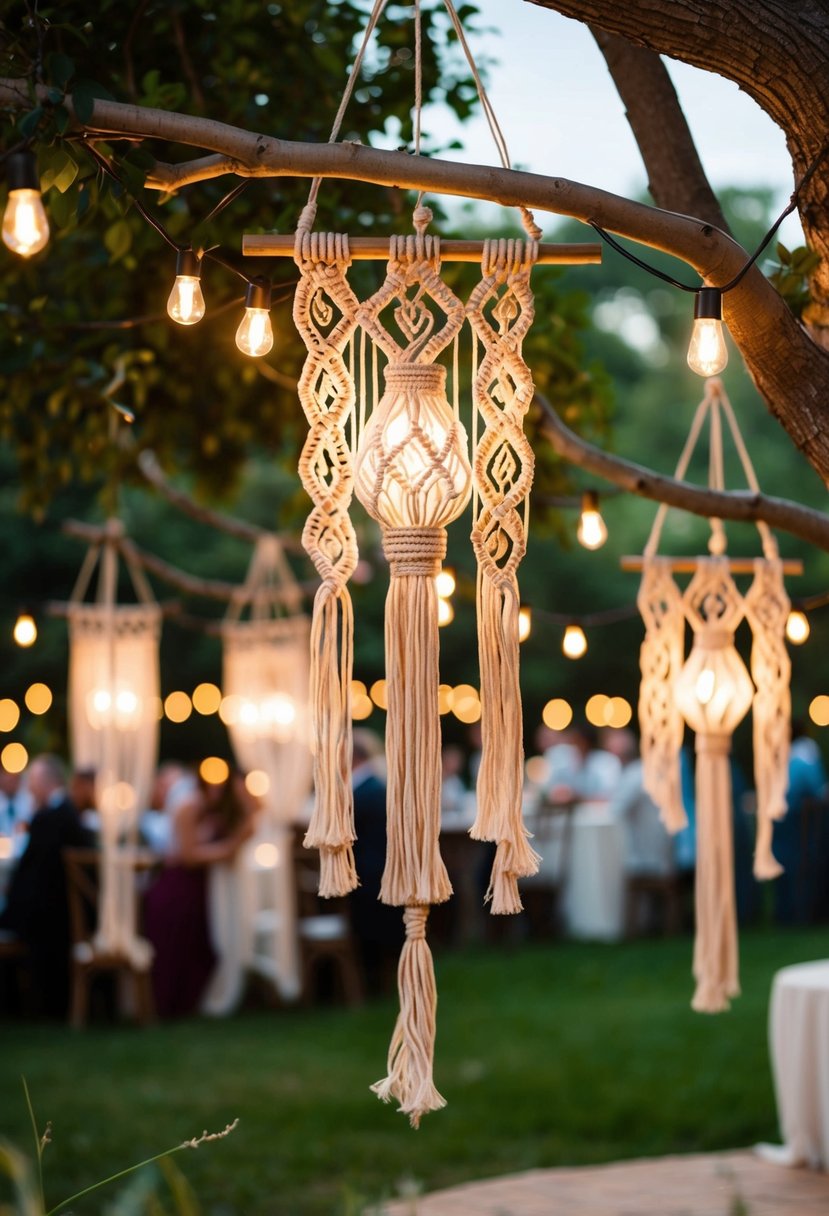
<point>370,248</point>
<point>737,565</point>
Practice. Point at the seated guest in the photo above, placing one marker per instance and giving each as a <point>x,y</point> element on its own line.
<point>36,909</point>
<point>207,828</point>
<point>579,769</point>
<point>648,846</point>
<point>15,804</point>
<point>82,795</point>
<point>173,785</point>
<point>794,891</point>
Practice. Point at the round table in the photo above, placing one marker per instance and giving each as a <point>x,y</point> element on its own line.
<point>799,1041</point>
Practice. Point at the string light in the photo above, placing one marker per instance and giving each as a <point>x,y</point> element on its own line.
<point>186,301</point>
<point>797,627</point>
<point>592,530</point>
<point>445,583</point>
<point>25,629</point>
<point>707,352</point>
<point>446,613</point>
<point>25,226</point>
<point>254,336</point>
<point>525,623</point>
<point>574,642</point>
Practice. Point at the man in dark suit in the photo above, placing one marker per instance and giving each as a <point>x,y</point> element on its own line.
<point>36,908</point>
<point>377,927</point>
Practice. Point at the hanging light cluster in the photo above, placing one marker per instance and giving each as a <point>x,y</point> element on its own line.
<point>186,305</point>
<point>712,691</point>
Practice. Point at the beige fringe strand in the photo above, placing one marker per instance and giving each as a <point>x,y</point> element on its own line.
<point>715,946</point>
<point>412,1050</point>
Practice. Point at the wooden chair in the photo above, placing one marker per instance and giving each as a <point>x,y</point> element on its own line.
<point>325,935</point>
<point>666,891</point>
<point>82,883</point>
<point>16,981</point>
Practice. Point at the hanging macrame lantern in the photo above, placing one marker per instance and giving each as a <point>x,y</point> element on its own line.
<point>265,660</point>
<point>407,460</point>
<point>113,725</point>
<point>712,692</point>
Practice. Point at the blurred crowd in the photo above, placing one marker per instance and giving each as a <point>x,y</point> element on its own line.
<point>191,825</point>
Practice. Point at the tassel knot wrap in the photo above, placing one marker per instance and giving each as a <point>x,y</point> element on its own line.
<point>503,467</point>
<point>411,1053</point>
<point>325,311</point>
<point>412,475</point>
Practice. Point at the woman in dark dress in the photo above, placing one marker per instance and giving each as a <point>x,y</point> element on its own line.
<point>207,829</point>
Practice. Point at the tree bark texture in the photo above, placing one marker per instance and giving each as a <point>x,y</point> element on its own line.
<point>777,51</point>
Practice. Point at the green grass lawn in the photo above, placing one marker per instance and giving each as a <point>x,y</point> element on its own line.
<point>547,1054</point>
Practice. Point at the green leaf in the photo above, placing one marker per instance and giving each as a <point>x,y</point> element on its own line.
<point>783,255</point>
<point>30,122</point>
<point>61,173</point>
<point>60,69</point>
<point>117,239</point>
<point>61,119</point>
<point>84,95</point>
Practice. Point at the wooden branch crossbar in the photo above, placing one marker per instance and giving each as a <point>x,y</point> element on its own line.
<point>376,249</point>
<point>688,565</point>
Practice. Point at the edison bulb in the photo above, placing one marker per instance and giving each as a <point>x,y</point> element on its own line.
<point>25,630</point>
<point>574,643</point>
<point>525,623</point>
<point>445,583</point>
<point>592,530</point>
<point>255,333</point>
<point>186,301</point>
<point>707,352</point>
<point>25,226</point>
<point>446,613</point>
<point>797,627</point>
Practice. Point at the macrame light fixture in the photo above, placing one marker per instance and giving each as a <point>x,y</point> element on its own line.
<point>114,708</point>
<point>265,659</point>
<point>407,459</point>
<point>712,692</point>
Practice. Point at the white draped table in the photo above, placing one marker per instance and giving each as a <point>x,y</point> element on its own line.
<point>594,892</point>
<point>799,1041</point>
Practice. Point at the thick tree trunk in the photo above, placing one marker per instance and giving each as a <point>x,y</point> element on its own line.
<point>777,52</point>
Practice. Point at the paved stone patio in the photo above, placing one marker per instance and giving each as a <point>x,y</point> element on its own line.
<point>711,1184</point>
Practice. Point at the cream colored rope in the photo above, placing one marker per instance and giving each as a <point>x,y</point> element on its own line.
<point>503,467</point>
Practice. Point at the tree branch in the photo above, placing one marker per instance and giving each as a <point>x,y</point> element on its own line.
<point>229,524</point>
<point>676,178</point>
<point>742,506</point>
<point>790,371</point>
<point>189,584</point>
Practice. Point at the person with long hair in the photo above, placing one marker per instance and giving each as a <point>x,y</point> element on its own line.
<point>208,829</point>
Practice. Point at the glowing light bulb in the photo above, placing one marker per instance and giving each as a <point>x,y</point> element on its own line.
<point>705,685</point>
<point>25,630</point>
<point>445,583</point>
<point>574,643</point>
<point>525,623</point>
<point>186,301</point>
<point>255,333</point>
<point>707,352</point>
<point>446,613</point>
<point>797,627</point>
<point>25,226</point>
<point>592,530</point>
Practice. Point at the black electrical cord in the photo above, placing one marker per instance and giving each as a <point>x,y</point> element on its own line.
<point>667,278</point>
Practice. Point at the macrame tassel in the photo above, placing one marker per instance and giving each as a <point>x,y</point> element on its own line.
<point>767,608</point>
<point>500,780</point>
<point>660,721</point>
<point>414,873</point>
<point>331,829</point>
<point>715,946</point>
<point>412,1049</point>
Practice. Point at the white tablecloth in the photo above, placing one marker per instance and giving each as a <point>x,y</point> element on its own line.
<point>799,1041</point>
<point>594,893</point>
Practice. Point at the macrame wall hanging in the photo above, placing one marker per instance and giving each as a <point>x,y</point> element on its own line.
<point>406,457</point>
<point>113,725</point>
<point>712,692</point>
<point>265,662</point>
